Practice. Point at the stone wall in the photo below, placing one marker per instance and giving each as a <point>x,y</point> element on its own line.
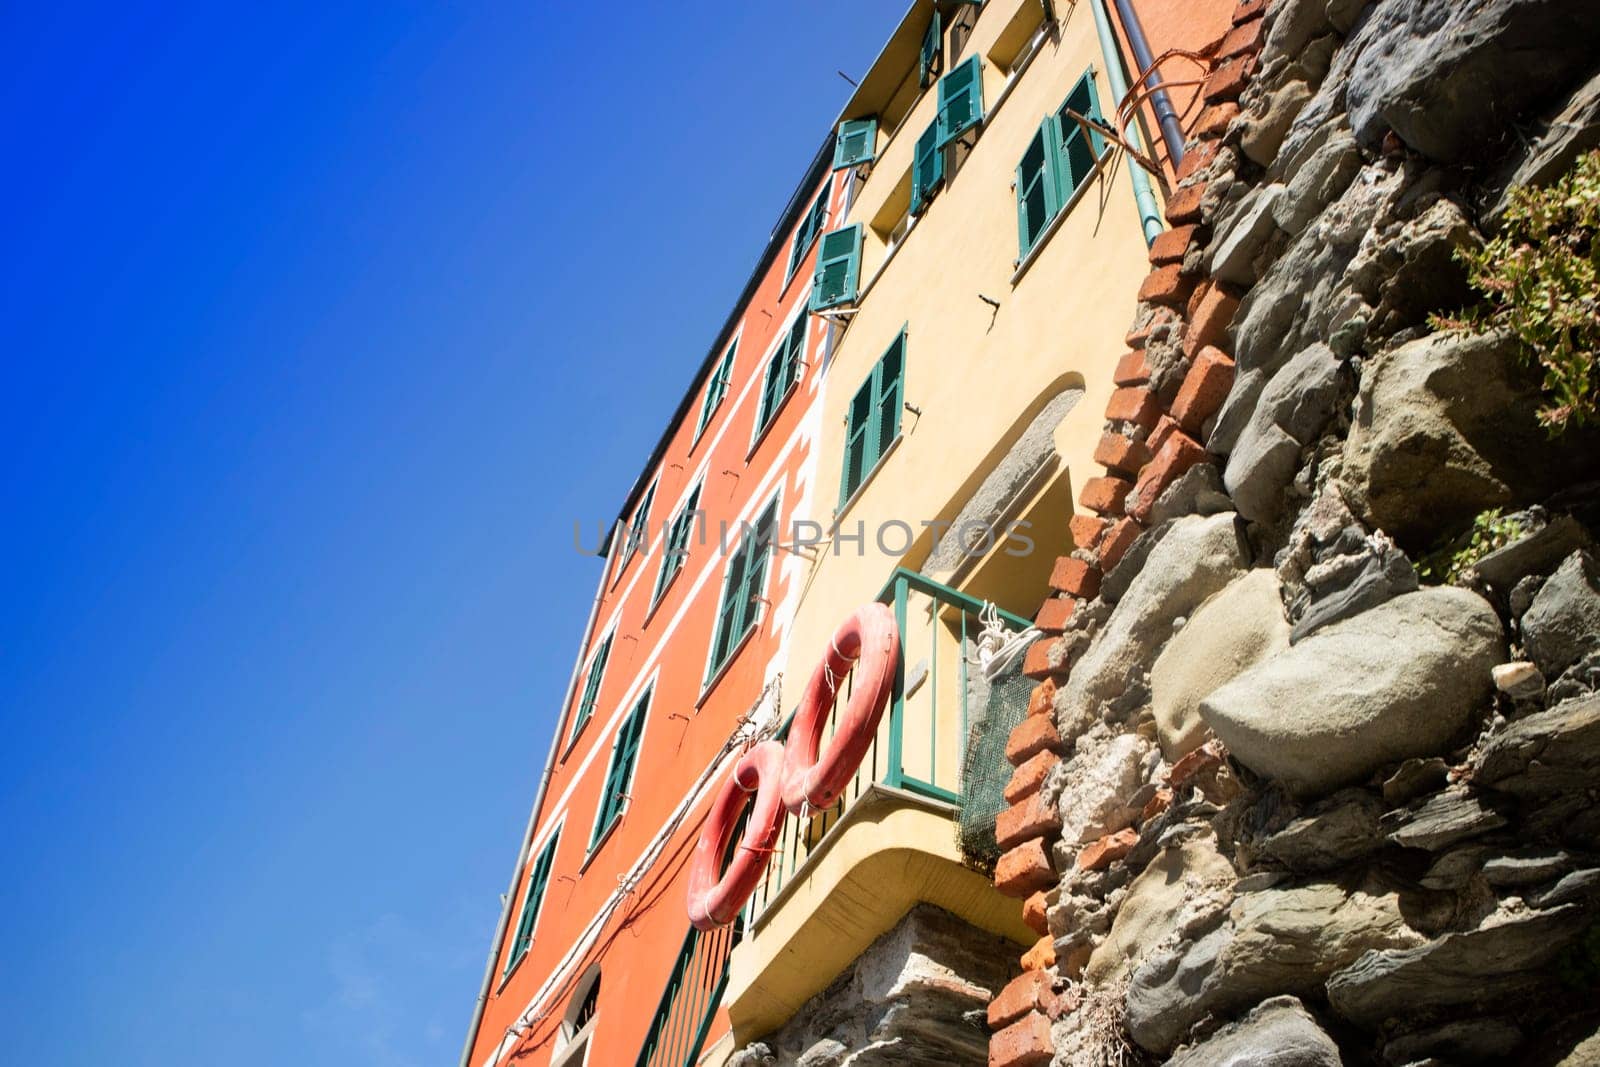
<point>1277,799</point>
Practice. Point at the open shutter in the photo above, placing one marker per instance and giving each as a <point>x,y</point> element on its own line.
<point>639,529</point>
<point>1036,188</point>
<point>960,100</point>
<point>591,687</point>
<point>857,142</point>
<point>886,404</point>
<point>729,613</point>
<point>755,577</point>
<point>838,268</point>
<point>1076,151</point>
<point>858,424</point>
<point>931,62</point>
<point>927,168</point>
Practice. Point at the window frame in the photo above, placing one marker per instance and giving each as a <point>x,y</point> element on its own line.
<point>675,558</point>
<point>717,387</point>
<point>782,349</point>
<point>874,449</point>
<point>522,940</point>
<point>811,227</point>
<point>614,795</point>
<point>1062,185</point>
<point>589,698</point>
<point>749,614</point>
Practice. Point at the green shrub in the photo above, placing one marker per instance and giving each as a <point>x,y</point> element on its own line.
<point>1450,561</point>
<point>1540,279</point>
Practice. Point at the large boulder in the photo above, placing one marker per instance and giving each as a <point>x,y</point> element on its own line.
<point>1197,556</point>
<point>1444,428</point>
<point>1447,77</point>
<point>1234,630</point>
<point>1275,941</point>
<point>1562,625</point>
<point>1398,681</point>
<point>1277,1033</point>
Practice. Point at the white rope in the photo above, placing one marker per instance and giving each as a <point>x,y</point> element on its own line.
<point>998,646</point>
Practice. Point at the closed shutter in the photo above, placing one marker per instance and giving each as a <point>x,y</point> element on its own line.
<point>1076,151</point>
<point>1036,188</point>
<point>591,688</point>
<point>810,225</point>
<point>639,528</point>
<point>873,420</point>
<point>729,613</point>
<point>960,100</point>
<point>755,576</point>
<point>538,881</point>
<point>857,142</point>
<point>891,368</point>
<point>857,426</point>
<point>838,268</point>
<point>927,168</point>
<point>782,370</point>
<point>931,62</point>
<point>716,389</point>
<point>676,544</point>
<point>624,754</point>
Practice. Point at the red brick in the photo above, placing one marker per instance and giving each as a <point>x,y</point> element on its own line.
<point>1214,120</point>
<point>1036,664</point>
<point>1134,404</point>
<point>1027,779</point>
<point>1204,388</point>
<point>1158,436</point>
<point>1024,870</point>
<point>1035,912</point>
<point>1031,736</point>
<point>1245,37</point>
<point>1177,455</point>
<point>1076,577</point>
<point>1026,820</point>
<point>1054,614</point>
<point>1029,991</point>
<point>1248,9</point>
<point>1156,806</point>
<point>1025,1043</point>
<point>1131,369</point>
<point>1205,758</point>
<point>1228,80</point>
<point>1117,540</point>
<point>1185,204</point>
<point>1042,700</point>
<point>1196,157</point>
<point>1165,285</point>
<point>1085,528</point>
<point>1170,246</point>
<point>1105,495</point>
<point>1098,855</point>
<point>1210,315</point>
<point>1121,453</point>
<point>1041,957</point>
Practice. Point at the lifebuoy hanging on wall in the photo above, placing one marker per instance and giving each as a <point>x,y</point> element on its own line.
<point>792,776</point>
<point>868,641</point>
<point>715,895</point>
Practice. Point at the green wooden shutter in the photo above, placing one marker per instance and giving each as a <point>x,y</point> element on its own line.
<point>838,268</point>
<point>782,370</point>
<point>755,573</point>
<point>619,773</point>
<point>538,881</point>
<point>927,168</point>
<point>810,225</point>
<point>716,389</point>
<point>873,419</point>
<point>960,100</point>
<point>931,61</point>
<point>639,529</point>
<point>857,142</point>
<point>676,544</point>
<point>858,418</point>
<point>591,687</point>
<point>1037,190</point>
<point>728,612</point>
<point>886,402</point>
<point>1075,152</point>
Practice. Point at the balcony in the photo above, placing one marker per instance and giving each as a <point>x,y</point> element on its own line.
<point>842,877</point>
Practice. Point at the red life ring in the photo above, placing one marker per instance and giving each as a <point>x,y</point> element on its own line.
<point>715,895</point>
<point>871,637</point>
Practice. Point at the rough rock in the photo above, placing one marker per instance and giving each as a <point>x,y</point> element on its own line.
<point>1114,585</point>
<point>1379,572</point>
<point>1552,751</point>
<point>1290,412</point>
<point>1566,134</point>
<point>1463,1041</point>
<point>1332,833</point>
<point>1318,179</point>
<point>1196,557</point>
<point>1198,491</point>
<point>1444,428</point>
<point>1277,1033</point>
<point>1539,550</point>
<point>1182,883</point>
<point>1563,623</point>
<point>1264,133</point>
<point>1295,23</point>
<point>1519,681</point>
<point>1441,821</point>
<point>1238,243</point>
<point>1424,273</point>
<point>1275,941</point>
<point>1233,630</point>
<point>1473,968</point>
<point>1092,788</point>
<point>1398,681</point>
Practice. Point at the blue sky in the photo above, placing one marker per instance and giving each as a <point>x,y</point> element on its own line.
<point>320,326</point>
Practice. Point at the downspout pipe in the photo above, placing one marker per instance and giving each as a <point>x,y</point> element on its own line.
<point>1166,115</point>
<point>527,835</point>
<point>1143,195</point>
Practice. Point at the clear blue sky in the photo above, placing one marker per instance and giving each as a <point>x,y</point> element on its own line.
<point>320,325</point>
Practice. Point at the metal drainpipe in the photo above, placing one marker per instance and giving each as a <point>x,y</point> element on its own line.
<point>1166,116</point>
<point>1143,195</point>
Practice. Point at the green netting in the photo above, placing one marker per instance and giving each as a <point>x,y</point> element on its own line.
<point>994,708</point>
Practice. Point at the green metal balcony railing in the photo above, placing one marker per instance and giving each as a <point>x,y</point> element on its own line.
<point>922,738</point>
<point>689,1004</point>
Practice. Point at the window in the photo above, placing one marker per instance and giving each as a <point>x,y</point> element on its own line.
<point>857,142</point>
<point>572,1040</point>
<point>639,528</point>
<point>927,168</point>
<point>675,545</point>
<point>960,100</point>
<point>742,587</point>
<point>873,422</point>
<point>783,369</point>
<point>930,64</point>
<point>591,687</point>
<point>807,232</point>
<point>619,773</point>
<point>538,880</point>
<point>1058,160</point>
<point>716,389</point>
<point>838,269</point>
